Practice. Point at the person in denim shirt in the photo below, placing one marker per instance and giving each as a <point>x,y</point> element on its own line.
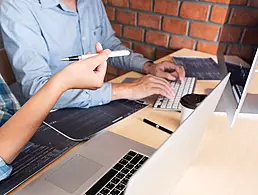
<point>38,33</point>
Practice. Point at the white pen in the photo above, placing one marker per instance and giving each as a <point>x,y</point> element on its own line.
<point>113,54</point>
<point>114,121</point>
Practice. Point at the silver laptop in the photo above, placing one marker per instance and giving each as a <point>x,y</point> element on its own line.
<point>236,99</point>
<point>112,164</point>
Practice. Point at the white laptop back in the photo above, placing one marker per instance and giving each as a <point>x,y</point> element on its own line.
<point>162,172</point>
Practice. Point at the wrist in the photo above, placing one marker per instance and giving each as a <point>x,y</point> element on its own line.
<point>147,67</point>
<point>58,84</point>
<point>121,91</point>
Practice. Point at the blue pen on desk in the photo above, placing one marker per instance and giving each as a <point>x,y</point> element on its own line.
<point>157,126</point>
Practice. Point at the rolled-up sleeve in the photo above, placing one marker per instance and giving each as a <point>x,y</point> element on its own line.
<point>5,170</point>
<point>134,61</point>
<point>28,54</point>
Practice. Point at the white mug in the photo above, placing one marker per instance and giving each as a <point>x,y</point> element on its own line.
<point>185,113</point>
<point>188,104</point>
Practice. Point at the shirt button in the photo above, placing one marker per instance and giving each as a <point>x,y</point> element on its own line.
<point>100,103</point>
<point>83,38</point>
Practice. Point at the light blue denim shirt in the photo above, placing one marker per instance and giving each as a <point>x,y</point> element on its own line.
<point>5,170</point>
<point>38,33</point>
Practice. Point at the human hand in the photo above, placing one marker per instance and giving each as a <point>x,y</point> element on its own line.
<point>143,87</point>
<point>164,70</point>
<point>86,74</point>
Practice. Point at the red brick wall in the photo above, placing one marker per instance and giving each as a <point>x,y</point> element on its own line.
<point>158,27</point>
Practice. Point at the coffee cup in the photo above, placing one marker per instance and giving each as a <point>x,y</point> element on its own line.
<point>189,103</point>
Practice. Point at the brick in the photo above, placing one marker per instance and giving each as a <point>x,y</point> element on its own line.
<point>110,13</point>
<point>210,48</point>
<point>146,51</point>
<point>204,31</point>
<point>160,53</point>
<point>117,28</point>
<point>250,36</point>
<point>126,17</point>
<point>219,14</point>
<point>112,70</point>
<point>148,20</point>
<point>174,26</point>
<point>133,33</point>
<point>230,34</point>
<point>245,52</point>
<point>177,42</point>
<point>218,1</point>
<point>104,1</point>
<point>194,11</point>
<point>244,17</point>
<point>166,7</point>
<point>145,5</point>
<point>234,2</point>
<point>253,3</point>
<point>157,38</point>
<point>120,3</point>
<point>128,44</point>
<point>238,2</point>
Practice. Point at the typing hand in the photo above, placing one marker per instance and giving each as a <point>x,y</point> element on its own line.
<point>150,85</point>
<point>164,70</point>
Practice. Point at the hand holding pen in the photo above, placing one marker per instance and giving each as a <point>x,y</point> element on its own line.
<point>113,54</point>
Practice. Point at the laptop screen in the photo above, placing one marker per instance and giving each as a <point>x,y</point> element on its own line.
<point>242,72</point>
<point>239,69</point>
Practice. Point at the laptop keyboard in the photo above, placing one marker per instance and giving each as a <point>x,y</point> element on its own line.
<point>163,103</point>
<point>115,180</point>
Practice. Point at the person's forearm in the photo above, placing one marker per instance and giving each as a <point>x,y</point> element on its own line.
<point>121,91</point>
<point>134,61</point>
<point>17,131</point>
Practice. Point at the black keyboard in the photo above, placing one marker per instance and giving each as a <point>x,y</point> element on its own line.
<point>115,180</point>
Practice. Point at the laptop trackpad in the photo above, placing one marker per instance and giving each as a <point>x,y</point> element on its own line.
<point>74,173</point>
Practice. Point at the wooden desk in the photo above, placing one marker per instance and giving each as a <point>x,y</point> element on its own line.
<point>144,133</point>
<point>224,160</point>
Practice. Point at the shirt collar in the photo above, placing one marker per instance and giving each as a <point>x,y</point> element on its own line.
<point>49,3</point>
